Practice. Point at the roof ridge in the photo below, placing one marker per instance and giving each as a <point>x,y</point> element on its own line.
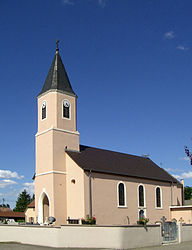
<point>123,153</point>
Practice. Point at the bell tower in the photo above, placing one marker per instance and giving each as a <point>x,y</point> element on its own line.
<point>57,130</point>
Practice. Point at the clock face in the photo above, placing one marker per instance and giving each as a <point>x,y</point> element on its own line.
<point>44,105</point>
<point>66,104</point>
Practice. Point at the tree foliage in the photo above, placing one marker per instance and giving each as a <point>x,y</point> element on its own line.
<point>22,202</point>
<point>188,193</point>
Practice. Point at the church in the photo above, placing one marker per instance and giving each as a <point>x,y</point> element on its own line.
<point>73,180</point>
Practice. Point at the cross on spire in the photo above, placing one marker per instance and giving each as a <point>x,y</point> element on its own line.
<point>57,42</point>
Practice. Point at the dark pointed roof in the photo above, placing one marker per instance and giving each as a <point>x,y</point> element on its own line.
<point>110,162</point>
<point>57,78</point>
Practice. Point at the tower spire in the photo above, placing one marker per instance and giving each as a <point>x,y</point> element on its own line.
<point>57,78</point>
<point>57,43</point>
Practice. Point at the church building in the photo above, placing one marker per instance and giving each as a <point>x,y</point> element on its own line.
<point>73,180</point>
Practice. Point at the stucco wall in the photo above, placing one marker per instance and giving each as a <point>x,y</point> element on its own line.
<point>30,213</point>
<point>74,190</point>
<point>184,213</point>
<point>53,135</point>
<point>105,199</point>
<point>54,186</point>
<point>186,232</point>
<point>83,236</point>
<point>54,107</point>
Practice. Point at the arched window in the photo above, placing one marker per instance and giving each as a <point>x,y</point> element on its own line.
<point>158,197</point>
<point>66,109</point>
<point>141,196</point>
<point>121,194</point>
<point>44,110</point>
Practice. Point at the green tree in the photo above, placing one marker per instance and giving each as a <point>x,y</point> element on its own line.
<point>22,202</point>
<point>187,193</point>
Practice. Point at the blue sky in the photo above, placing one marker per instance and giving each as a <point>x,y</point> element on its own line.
<point>129,62</point>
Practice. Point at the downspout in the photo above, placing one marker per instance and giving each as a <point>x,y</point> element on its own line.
<point>90,196</point>
<point>171,193</point>
<point>183,197</point>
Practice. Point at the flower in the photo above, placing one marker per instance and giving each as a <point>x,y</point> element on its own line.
<point>143,220</point>
<point>88,220</point>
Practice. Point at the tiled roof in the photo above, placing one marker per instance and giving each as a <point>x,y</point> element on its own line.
<point>12,214</point>
<point>32,204</point>
<point>110,162</point>
<point>57,78</point>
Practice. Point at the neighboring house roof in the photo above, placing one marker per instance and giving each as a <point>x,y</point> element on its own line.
<point>12,214</point>
<point>32,204</point>
<point>57,78</point>
<point>110,162</point>
<point>187,202</point>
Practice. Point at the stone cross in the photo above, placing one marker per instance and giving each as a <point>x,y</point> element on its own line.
<point>163,219</point>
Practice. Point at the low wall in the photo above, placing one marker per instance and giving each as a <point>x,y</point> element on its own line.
<point>34,235</point>
<point>110,237</point>
<point>186,232</point>
<point>122,237</point>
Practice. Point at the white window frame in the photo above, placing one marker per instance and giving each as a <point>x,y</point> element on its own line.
<point>161,203</point>
<point>141,207</point>
<point>43,102</point>
<point>125,195</point>
<point>69,110</point>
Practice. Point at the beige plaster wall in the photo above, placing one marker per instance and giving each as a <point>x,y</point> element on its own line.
<point>44,152</point>
<point>109,237</point>
<point>60,141</point>
<point>182,213</point>
<point>30,213</point>
<point>60,199</point>
<point>54,118</point>
<point>66,123</point>
<point>54,186</point>
<point>75,191</point>
<point>51,111</point>
<point>30,235</point>
<point>83,236</point>
<point>55,133</point>
<point>186,233</point>
<point>43,184</point>
<point>177,196</point>
<point>104,199</point>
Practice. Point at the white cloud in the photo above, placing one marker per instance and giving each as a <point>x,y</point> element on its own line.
<point>169,35</point>
<point>29,187</point>
<point>184,158</point>
<point>5,183</point>
<point>185,175</point>
<point>180,47</point>
<point>67,2</point>
<point>102,3</point>
<point>8,174</point>
<point>173,170</point>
